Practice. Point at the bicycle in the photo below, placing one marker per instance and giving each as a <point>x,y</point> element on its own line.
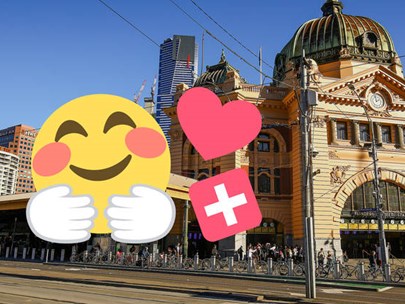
<point>398,275</point>
<point>82,257</point>
<point>349,271</point>
<point>327,270</point>
<point>299,270</point>
<point>260,267</point>
<point>280,267</point>
<point>374,272</point>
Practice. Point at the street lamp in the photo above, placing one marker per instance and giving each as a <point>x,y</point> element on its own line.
<point>377,190</point>
<point>306,170</point>
<point>185,229</point>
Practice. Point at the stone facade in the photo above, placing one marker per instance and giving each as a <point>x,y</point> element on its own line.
<point>340,135</point>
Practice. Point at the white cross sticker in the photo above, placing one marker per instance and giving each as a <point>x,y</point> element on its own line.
<point>225,204</point>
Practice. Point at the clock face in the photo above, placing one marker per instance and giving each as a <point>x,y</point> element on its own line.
<point>377,102</point>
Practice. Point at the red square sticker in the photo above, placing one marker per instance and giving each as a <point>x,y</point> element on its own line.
<point>225,205</point>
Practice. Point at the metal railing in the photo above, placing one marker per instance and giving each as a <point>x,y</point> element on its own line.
<point>270,267</point>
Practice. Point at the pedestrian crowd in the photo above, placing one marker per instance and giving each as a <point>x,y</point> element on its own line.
<point>276,252</point>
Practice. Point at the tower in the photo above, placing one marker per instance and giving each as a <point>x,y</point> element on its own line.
<point>178,63</point>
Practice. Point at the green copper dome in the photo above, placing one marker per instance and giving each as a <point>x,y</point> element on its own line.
<point>335,36</point>
<point>215,74</point>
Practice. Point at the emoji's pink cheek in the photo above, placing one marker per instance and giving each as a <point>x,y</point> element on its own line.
<point>145,142</point>
<point>51,159</point>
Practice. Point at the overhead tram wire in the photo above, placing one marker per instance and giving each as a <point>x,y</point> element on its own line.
<point>130,23</point>
<point>226,46</point>
<point>229,34</point>
<point>200,25</point>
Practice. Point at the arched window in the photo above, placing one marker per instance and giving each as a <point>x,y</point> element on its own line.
<point>393,197</point>
<point>202,176</point>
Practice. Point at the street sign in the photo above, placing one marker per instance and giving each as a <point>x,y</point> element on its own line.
<point>367,210</point>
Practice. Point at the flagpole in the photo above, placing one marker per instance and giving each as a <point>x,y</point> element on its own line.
<point>261,65</point>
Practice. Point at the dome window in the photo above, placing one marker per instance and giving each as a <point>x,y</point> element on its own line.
<point>369,40</point>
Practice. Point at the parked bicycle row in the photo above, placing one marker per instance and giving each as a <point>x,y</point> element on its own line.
<point>276,267</point>
<point>333,270</point>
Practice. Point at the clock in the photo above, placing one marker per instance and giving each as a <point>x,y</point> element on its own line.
<point>377,102</point>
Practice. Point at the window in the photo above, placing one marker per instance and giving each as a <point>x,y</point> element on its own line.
<point>403,134</point>
<point>263,146</point>
<point>386,134</point>
<point>277,181</point>
<point>276,148</point>
<point>402,198</point>
<point>364,132</point>
<point>264,180</point>
<point>341,127</point>
<point>265,143</point>
<point>193,151</point>
<point>264,183</point>
<point>393,197</point>
<point>252,177</point>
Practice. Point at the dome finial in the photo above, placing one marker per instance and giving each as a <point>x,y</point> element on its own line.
<point>332,7</point>
<point>222,59</point>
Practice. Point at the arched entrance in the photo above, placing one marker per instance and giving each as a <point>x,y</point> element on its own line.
<point>269,231</point>
<point>358,223</point>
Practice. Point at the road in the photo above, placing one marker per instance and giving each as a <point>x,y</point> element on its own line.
<point>37,283</point>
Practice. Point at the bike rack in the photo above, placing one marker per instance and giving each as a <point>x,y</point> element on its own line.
<point>196,261</point>
<point>270,266</point>
<point>230,263</point>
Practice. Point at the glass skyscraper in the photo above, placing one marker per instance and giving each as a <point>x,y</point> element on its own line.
<point>178,63</point>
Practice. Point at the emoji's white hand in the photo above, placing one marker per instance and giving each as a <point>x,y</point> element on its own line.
<point>145,216</point>
<point>55,215</point>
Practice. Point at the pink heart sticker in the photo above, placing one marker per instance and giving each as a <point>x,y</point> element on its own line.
<point>215,129</point>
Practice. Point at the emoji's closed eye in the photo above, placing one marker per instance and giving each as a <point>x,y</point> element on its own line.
<point>118,118</point>
<point>68,127</point>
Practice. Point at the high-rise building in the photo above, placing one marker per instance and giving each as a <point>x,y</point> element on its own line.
<point>19,140</point>
<point>178,63</point>
<point>8,172</point>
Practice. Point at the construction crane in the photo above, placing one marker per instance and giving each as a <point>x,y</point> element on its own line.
<point>136,97</point>
<point>152,90</point>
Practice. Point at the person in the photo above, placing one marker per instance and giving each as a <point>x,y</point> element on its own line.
<point>179,249</point>
<point>240,253</point>
<point>119,255</point>
<point>280,254</point>
<point>132,250</point>
<point>321,257</point>
<point>170,251</point>
<point>251,252</point>
<point>145,252</point>
<point>329,259</point>
<point>96,248</point>
<point>131,256</point>
<point>379,256</point>
<point>345,257</point>
<point>372,257</point>
<point>214,251</point>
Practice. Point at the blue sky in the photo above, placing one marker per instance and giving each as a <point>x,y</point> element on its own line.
<point>54,51</point>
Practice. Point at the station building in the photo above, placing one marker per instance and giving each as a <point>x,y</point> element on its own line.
<point>341,50</point>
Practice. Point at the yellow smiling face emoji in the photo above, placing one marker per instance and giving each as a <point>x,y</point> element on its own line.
<point>100,146</point>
